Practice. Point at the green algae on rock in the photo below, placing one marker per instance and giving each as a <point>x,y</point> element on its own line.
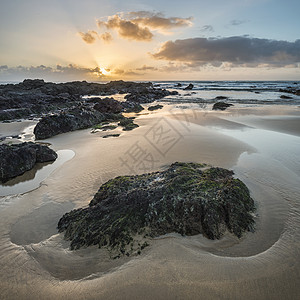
<point>187,198</point>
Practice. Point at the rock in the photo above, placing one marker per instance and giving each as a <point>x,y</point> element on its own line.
<point>189,87</point>
<point>111,135</point>
<point>285,97</point>
<point>186,198</point>
<point>290,90</point>
<point>149,95</point>
<point>108,105</point>
<point>130,106</point>
<point>221,98</point>
<point>155,107</point>
<point>78,118</point>
<point>178,85</point>
<point>36,97</point>
<point>221,106</point>
<point>18,158</point>
<point>128,124</point>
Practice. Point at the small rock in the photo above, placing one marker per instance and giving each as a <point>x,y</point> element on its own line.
<point>189,87</point>
<point>155,107</point>
<point>221,106</point>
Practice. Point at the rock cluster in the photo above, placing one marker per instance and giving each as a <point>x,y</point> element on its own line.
<point>186,198</point>
<point>19,158</point>
<point>36,97</point>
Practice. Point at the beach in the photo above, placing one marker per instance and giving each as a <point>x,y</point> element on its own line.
<point>260,143</point>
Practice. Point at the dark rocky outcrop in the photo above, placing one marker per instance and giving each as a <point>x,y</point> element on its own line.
<point>148,95</point>
<point>221,106</point>
<point>36,97</point>
<point>108,105</point>
<point>77,118</point>
<point>129,106</point>
<point>155,107</point>
<point>19,158</point>
<point>290,90</point>
<point>186,198</point>
<point>189,87</point>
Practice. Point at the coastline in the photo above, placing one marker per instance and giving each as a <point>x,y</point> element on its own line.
<point>263,265</point>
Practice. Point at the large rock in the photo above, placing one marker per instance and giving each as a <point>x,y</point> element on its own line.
<point>108,105</point>
<point>19,158</point>
<point>78,118</point>
<point>186,198</point>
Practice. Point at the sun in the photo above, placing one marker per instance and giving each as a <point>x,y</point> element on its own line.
<point>104,71</point>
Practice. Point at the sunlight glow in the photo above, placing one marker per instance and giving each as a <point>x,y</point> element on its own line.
<point>104,71</point>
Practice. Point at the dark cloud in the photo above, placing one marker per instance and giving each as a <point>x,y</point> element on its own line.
<point>239,50</point>
<point>89,37</point>
<point>138,25</point>
<point>207,28</point>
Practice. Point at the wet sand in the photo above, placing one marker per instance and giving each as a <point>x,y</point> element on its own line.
<point>36,263</point>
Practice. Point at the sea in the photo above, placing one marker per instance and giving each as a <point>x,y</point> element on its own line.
<point>243,92</point>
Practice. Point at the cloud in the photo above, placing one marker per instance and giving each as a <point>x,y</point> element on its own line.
<point>207,28</point>
<point>237,22</point>
<point>127,29</point>
<point>239,50</point>
<point>146,68</point>
<point>138,25</point>
<point>106,37</point>
<point>89,37</point>
<point>158,20</point>
<point>58,73</point>
<point>118,72</point>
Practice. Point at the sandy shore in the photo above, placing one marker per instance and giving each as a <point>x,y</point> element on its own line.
<point>262,146</point>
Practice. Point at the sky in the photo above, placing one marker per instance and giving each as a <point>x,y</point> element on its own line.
<point>95,40</point>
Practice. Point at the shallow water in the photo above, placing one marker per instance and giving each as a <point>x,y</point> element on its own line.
<point>37,264</point>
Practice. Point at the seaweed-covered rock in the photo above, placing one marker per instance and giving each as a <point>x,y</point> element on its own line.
<point>186,198</point>
<point>77,118</point>
<point>127,124</point>
<point>19,158</point>
<point>221,106</point>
